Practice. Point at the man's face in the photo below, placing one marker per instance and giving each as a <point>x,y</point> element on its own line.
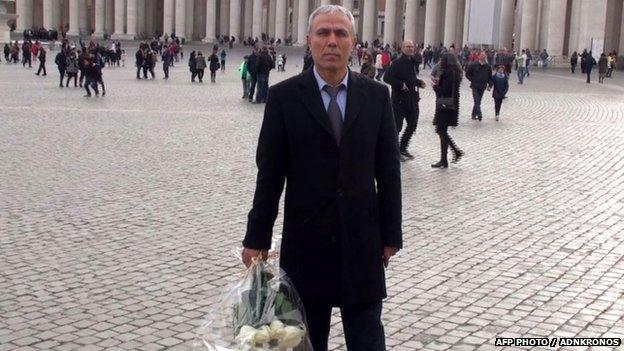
<point>331,41</point>
<point>408,48</point>
<point>482,57</point>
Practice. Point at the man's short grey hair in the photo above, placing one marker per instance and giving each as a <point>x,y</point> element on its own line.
<point>332,9</point>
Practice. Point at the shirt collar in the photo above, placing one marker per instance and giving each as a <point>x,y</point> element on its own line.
<point>321,82</point>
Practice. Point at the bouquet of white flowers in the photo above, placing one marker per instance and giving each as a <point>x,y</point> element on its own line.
<point>261,312</point>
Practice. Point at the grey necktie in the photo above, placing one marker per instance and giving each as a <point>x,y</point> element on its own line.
<point>333,111</point>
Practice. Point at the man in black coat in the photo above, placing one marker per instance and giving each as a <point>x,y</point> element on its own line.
<point>405,96</point>
<point>42,62</point>
<point>252,63</point>
<point>61,64</point>
<point>480,76</point>
<point>329,134</point>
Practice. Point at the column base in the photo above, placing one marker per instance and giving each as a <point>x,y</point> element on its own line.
<point>209,40</point>
<point>73,34</point>
<point>97,35</point>
<point>123,36</point>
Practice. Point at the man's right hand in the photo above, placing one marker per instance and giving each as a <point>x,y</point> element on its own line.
<point>249,254</point>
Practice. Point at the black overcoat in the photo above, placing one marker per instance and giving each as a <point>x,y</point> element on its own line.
<point>447,87</point>
<point>343,203</point>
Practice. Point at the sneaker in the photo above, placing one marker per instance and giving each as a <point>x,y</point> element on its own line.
<point>496,118</point>
<point>407,155</point>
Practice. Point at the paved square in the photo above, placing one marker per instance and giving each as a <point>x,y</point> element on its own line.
<point>119,215</point>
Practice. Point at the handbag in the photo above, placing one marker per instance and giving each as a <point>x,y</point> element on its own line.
<point>447,103</point>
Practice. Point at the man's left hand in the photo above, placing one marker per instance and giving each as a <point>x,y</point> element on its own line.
<point>387,253</point>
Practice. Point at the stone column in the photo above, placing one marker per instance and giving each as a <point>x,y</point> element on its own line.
<point>211,21</point>
<point>100,18</point>
<point>168,9</point>
<point>24,10</point>
<point>119,19</point>
<point>555,19</point>
<point>450,22</point>
<point>411,20</point>
<point>180,18</point>
<point>528,25</point>
<point>224,17</point>
<point>369,17</point>
<point>432,22</point>
<point>302,22</point>
<point>256,25</point>
<point>325,2</point>
<point>466,22</point>
<point>281,17</point>
<point>295,22</point>
<point>459,32</point>
<point>620,52</point>
<point>248,19</point>
<point>593,24</point>
<point>132,15</point>
<point>109,22</point>
<point>271,18</point>
<point>348,4</point>
<point>142,19</point>
<point>506,24</point>
<point>235,13</point>
<point>190,19</point>
<point>83,19</point>
<point>389,21</point>
<point>74,18</point>
<point>51,14</point>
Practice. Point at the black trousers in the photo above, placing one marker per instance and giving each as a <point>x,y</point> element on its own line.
<point>166,70</point>
<point>573,67</point>
<point>42,67</point>
<point>445,143</point>
<point>61,75</point>
<point>252,86</point>
<point>477,95</point>
<point>361,323</point>
<point>588,75</point>
<point>200,74</point>
<point>70,76</point>
<point>411,117</point>
<point>497,105</point>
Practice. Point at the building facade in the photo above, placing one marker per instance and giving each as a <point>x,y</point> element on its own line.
<point>559,26</point>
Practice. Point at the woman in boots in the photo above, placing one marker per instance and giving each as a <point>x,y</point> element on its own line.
<point>447,106</point>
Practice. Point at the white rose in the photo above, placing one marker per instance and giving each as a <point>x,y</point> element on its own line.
<point>292,337</point>
<point>247,335</point>
<point>263,335</point>
<point>276,330</point>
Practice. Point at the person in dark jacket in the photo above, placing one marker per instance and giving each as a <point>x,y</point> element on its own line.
<point>61,63</point>
<point>42,62</point>
<point>573,61</point>
<point>252,63</point>
<point>191,64</point>
<point>26,55</point>
<point>139,58</point>
<point>73,67</point>
<point>590,62</point>
<point>91,76</point>
<point>479,74</point>
<point>447,86</point>
<point>200,66</point>
<point>166,61</point>
<point>342,217</point>
<point>603,65</point>
<point>500,85</point>
<point>584,61</point>
<point>263,68</point>
<point>308,60</point>
<point>401,76</point>
<point>214,64</point>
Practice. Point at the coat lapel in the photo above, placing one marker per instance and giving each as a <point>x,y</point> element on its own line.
<point>355,101</point>
<point>312,100</point>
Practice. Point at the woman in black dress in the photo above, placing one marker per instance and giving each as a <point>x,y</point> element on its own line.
<point>446,88</point>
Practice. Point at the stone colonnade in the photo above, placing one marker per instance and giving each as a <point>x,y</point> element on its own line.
<point>560,26</point>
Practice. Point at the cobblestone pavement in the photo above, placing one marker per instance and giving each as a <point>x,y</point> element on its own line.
<point>119,215</point>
